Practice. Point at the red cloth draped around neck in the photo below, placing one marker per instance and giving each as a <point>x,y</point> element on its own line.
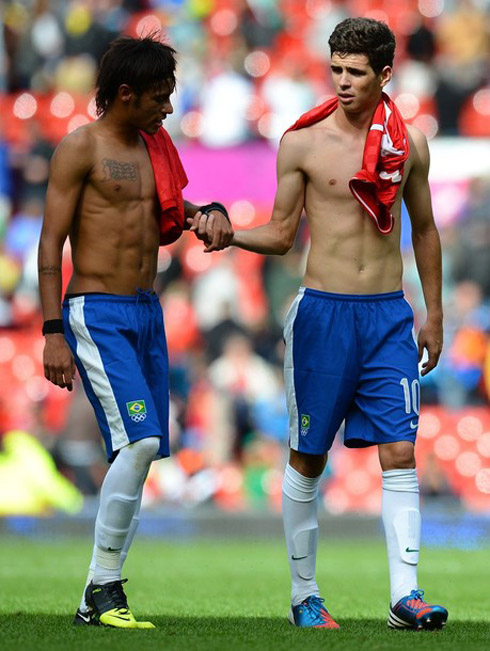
<point>170,179</point>
<point>385,152</point>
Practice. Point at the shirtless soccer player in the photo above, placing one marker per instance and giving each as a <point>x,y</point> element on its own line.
<point>115,189</point>
<point>350,354</point>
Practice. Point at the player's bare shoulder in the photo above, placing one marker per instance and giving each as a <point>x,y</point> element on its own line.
<point>305,147</point>
<point>419,148</point>
<point>294,148</point>
<point>416,175</point>
<point>75,152</point>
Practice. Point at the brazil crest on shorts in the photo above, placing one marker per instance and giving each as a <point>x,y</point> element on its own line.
<point>305,424</point>
<point>136,410</point>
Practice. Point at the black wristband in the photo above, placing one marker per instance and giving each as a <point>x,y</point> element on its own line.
<point>53,326</point>
<point>215,205</point>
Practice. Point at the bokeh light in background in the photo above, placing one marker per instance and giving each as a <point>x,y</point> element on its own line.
<point>431,8</point>
<point>62,105</point>
<point>257,64</point>
<point>246,71</point>
<point>408,105</point>
<point>25,106</point>
<point>481,101</point>
<point>224,22</point>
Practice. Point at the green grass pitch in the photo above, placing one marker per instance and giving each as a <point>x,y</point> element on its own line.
<point>221,595</point>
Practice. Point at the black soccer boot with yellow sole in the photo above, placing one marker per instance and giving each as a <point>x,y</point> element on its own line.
<point>110,606</point>
<point>85,618</point>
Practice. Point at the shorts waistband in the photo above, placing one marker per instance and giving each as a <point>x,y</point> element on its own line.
<point>101,297</point>
<point>357,298</point>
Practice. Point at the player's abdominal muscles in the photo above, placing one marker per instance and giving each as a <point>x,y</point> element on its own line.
<point>349,270</point>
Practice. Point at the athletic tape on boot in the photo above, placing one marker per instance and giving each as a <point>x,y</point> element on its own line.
<point>407,529</point>
<point>304,548</point>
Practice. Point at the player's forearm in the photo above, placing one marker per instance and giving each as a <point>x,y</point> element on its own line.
<point>427,249</point>
<point>49,273</point>
<point>268,239</point>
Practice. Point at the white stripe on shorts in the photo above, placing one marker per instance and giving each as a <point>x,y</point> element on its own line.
<point>89,355</point>
<point>289,371</point>
<point>414,334</point>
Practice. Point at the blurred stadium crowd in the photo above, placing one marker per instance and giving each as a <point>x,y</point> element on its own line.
<point>247,69</point>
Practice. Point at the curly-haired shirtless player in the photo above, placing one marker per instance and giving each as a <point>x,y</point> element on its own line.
<point>350,353</point>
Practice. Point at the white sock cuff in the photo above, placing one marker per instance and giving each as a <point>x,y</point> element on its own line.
<point>298,487</point>
<point>402,480</point>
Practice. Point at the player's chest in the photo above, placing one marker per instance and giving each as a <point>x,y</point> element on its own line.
<point>331,164</point>
<point>121,176</point>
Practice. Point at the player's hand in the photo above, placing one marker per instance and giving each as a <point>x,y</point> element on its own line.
<point>213,229</point>
<point>59,365</point>
<point>198,225</point>
<point>430,338</point>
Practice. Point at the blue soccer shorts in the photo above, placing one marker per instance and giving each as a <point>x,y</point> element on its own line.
<point>121,354</point>
<point>351,358</point>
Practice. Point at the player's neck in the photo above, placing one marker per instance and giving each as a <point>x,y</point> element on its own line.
<point>355,122</point>
<point>119,129</point>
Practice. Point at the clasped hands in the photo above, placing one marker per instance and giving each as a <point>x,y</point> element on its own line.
<point>213,229</point>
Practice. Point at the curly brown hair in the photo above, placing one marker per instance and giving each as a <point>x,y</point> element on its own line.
<point>364,36</point>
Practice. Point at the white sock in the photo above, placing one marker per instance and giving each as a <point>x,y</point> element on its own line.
<point>83,604</point>
<point>127,543</point>
<point>401,520</point>
<point>299,512</point>
<point>119,501</point>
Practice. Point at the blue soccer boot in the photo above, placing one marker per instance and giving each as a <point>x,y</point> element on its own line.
<point>312,613</point>
<point>413,613</point>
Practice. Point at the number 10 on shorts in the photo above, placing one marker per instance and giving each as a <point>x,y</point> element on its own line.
<point>411,394</point>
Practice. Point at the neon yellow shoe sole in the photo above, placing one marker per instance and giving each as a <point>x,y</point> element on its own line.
<point>122,618</point>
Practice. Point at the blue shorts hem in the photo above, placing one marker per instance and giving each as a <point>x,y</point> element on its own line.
<point>366,443</point>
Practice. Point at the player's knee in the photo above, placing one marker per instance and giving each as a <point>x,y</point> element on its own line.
<point>397,456</point>
<point>308,465</point>
<point>146,449</point>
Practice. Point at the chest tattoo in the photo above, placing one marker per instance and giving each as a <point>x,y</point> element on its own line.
<point>119,171</point>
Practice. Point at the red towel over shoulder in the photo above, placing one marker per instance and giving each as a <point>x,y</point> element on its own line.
<point>383,161</point>
<point>170,179</point>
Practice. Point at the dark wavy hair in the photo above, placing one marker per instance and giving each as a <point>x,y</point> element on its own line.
<point>139,62</point>
<point>364,36</point>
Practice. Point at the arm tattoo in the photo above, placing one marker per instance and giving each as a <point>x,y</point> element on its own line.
<point>49,270</point>
<point>118,171</point>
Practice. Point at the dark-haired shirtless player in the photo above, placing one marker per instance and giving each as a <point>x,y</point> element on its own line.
<point>350,353</point>
<point>102,194</point>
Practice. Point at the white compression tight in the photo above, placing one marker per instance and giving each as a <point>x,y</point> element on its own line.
<point>118,514</point>
<point>299,512</point>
